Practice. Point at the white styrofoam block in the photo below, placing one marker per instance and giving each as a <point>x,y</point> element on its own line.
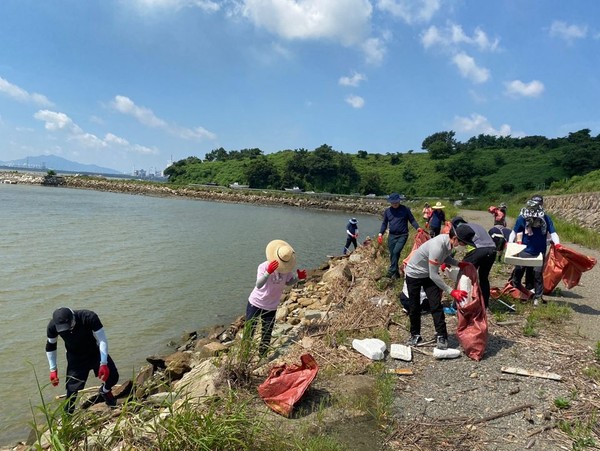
<point>510,256</point>
<point>401,352</point>
<point>449,353</point>
<point>373,348</point>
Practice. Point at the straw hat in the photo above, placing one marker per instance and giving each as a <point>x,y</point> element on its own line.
<point>282,252</point>
<point>438,205</point>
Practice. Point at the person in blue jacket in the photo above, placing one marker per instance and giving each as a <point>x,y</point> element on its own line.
<point>396,217</point>
<point>437,219</point>
<point>534,225</point>
<point>351,234</point>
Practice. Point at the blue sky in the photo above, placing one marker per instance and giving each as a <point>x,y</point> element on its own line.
<point>131,84</point>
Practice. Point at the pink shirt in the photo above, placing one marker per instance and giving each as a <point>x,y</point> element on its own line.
<point>268,296</point>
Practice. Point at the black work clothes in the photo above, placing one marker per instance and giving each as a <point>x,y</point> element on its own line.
<point>483,259</point>
<point>434,295</point>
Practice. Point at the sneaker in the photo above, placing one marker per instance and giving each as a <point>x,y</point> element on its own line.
<point>414,340</point>
<point>442,342</point>
<point>108,397</point>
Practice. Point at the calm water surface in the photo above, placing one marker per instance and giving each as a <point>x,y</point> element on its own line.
<point>152,268</point>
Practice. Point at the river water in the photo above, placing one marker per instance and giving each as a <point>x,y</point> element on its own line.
<point>152,268</point>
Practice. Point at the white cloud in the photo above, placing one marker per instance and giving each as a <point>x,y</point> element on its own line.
<point>54,121</point>
<point>346,21</point>
<point>517,88</point>
<point>410,11</point>
<point>147,117</point>
<point>353,80</point>
<point>477,124</point>
<point>21,95</point>
<point>355,101</point>
<point>469,69</point>
<point>453,37</point>
<point>567,32</point>
<point>374,50</point>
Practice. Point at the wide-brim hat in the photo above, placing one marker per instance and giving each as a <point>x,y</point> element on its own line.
<point>457,220</point>
<point>394,198</point>
<point>353,221</point>
<point>438,205</point>
<point>282,252</point>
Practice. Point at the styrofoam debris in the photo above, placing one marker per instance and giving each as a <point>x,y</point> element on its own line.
<point>401,352</point>
<point>373,348</point>
<point>449,353</point>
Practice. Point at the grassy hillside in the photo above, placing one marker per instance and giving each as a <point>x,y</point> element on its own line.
<point>484,166</point>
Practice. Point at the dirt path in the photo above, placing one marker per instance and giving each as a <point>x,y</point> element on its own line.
<point>584,299</point>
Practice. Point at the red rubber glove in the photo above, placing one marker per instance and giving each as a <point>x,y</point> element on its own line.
<point>443,267</point>
<point>463,265</point>
<point>301,274</point>
<point>558,247</point>
<point>272,266</point>
<point>103,373</point>
<point>459,295</point>
<point>54,377</point>
<point>420,230</point>
<point>380,239</point>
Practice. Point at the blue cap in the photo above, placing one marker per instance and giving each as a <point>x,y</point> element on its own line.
<point>393,198</point>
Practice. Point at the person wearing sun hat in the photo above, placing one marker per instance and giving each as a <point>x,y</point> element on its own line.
<point>437,219</point>
<point>351,234</point>
<point>396,217</point>
<point>272,276</point>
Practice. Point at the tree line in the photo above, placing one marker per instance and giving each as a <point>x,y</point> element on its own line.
<point>482,164</point>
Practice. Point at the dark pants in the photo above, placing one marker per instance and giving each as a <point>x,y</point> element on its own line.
<point>78,370</point>
<point>267,322</point>
<point>434,295</point>
<point>395,245</point>
<point>483,259</point>
<point>350,240</point>
<point>536,273</point>
<point>435,231</point>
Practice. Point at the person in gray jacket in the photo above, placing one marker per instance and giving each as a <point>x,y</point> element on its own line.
<point>422,271</point>
<point>481,252</point>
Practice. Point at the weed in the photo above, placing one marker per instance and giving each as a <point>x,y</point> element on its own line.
<point>529,328</point>
<point>593,372</point>
<point>580,431</point>
<point>562,403</point>
<point>597,351</point>
<point>552,313</point>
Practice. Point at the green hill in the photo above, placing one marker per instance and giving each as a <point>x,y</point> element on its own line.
<point>483,166</point>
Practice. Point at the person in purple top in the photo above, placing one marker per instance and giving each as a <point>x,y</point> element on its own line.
<point>396,218</point>
<point>272,276</point>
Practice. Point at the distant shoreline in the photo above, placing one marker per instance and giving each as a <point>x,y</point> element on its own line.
<point>330,202</point>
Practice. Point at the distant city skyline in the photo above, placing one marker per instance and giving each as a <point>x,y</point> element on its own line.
<point>128,84</point>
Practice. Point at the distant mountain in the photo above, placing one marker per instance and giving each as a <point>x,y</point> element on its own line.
<point>55,163</point>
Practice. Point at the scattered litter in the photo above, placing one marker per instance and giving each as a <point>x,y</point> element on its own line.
<point>401,352</point>
<point>530,373</point>
<point>449,353</point>
<point>372,348</point>
<point>449,310</point>
<point>429,399</point>
<point>401,371</point>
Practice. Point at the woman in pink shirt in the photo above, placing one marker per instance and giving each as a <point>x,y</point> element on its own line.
<point>272,276</point>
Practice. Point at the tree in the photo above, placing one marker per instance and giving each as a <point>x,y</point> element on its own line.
<point>261,173</point>
<point>362,154</point>
<point>440,145</point>
<point>219,154</point>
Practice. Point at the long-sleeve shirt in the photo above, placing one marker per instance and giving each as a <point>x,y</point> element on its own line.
<point>352,229</point>
<point>397,220</point>
<point>426,260</point>
<point>269,287</point>
<point>481,238</point>
<point>536,242</point>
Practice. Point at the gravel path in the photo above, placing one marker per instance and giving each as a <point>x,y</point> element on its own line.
<point>463,404</point>
<point>584,299</point>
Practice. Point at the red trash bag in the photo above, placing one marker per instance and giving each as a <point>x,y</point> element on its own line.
<point>565,264</point>
<point>472,329</point>
<point>420,238</point>
<point>286,384</point>
<point>520,294</point>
